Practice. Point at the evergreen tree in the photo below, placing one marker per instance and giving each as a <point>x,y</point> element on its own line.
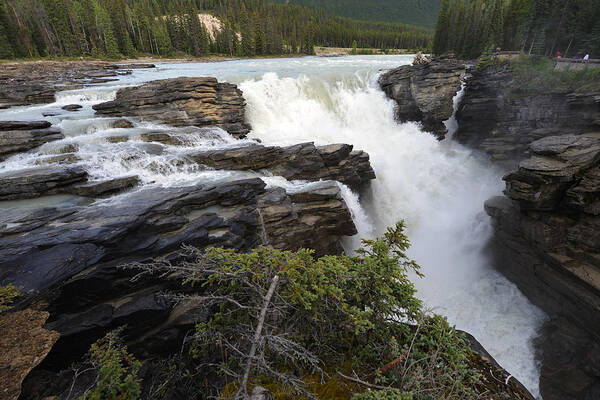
<point>6,34</point>
<point>440,38</point>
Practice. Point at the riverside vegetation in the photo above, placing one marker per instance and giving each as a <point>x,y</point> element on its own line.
<point>299,326</point>
<point>127,28</point>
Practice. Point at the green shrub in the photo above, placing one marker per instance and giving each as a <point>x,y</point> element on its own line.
<point>117,370</point>
<point>386,394</point>
<point>8,294</point>
<point>281,317</point>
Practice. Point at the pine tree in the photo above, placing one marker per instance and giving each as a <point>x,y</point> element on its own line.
<point>247,32</point>
<point>440,39</point>
<point>6,34</point>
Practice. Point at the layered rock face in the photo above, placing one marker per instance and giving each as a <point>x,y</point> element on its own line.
<point>493,119</point>
<point>69,257</point>
<point>547,240</point>
<point>183,102</point>
<point>424,92</point>
<point>19,136</point>
<point>303,161</point>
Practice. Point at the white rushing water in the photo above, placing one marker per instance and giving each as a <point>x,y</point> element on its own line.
<point>438,187</point>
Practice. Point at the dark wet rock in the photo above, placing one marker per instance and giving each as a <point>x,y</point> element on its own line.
<point>424,92</point>
<point>303,161</point>
<point>69,257</point>
<point>67,158</point>
<point>32,183</point>
<point>72,107</point>
<point>24,343</point>
<point>117,139</point>
<point>19,136</point>
<point>502,123</point>
<point>122,123</point>
<point>546,240</point>
<point>183,102</point>
<point>161,137</point>
<point>571,362</point>
<point>105,187</point>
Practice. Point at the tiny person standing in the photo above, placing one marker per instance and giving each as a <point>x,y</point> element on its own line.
<point>586,58</point>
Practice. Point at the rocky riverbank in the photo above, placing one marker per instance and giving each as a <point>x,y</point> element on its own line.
<point>38,82</point>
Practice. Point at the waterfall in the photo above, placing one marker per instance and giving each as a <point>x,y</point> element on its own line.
<point>439,189</point>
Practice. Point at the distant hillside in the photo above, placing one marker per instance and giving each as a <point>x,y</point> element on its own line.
<point>413,12</point>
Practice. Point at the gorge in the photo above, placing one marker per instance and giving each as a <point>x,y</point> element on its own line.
<point>263,182</point>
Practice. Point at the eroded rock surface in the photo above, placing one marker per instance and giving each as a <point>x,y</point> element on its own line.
<point>492,118</point>
<point>183,102</point>
<point>547,240</point>
<point>69,257</point>
<point>19,136</point>
<point>302,161</point>
<point>424,92</point>
<point>24,343</point>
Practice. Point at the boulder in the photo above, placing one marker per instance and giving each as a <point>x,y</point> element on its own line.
<point>31,183</point>
<point>302,161</point>
<point>19,136</point>
<point>424,92</point>
<point>546,241</point>
<point>72,107</point>
<point>161,137</point>
<point>67,158</point>
<point>117,139</point>
<point>182,102</point>
<point>121,123</point>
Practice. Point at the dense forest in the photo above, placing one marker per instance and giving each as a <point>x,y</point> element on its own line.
<point>412,12</point>
<point>128,28</point>
<point>543,27</point>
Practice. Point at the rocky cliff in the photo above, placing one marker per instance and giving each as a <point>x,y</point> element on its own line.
<point>493,118</point>
<point>424,92</point>
<point>547,240</point>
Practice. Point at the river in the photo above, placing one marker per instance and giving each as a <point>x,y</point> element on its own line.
<point>438,187</point>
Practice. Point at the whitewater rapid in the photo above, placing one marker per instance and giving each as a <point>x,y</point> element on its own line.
<point>438,187</point>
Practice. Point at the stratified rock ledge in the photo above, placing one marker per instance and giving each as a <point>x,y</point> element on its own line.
<point>547,240</point>
<point>424,92</point>
<point>183,102</point>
